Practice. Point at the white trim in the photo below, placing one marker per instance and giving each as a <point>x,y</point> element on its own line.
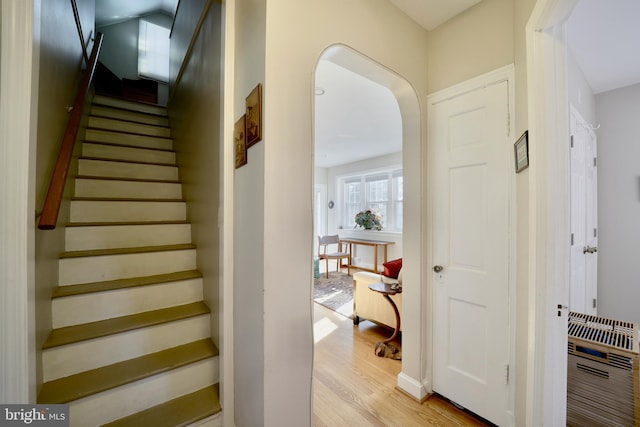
<point>548,212</point>
<point>226,215</point>
<point>413,387</point>
<point>18,114</point>
<point>503,74</point>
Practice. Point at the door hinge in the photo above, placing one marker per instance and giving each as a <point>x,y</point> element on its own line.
<point>595,162</point>
<point>571,141</point>
<point>595,232</point>
<point>508,123</point>
<point>506,374</point>
<point>595,303</point>
<point>571,239</point>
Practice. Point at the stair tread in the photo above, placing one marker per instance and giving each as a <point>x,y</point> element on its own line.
<point>133,122</point>
<point>94,381</point>
<point>134,147</point>
<point>122,251</point>
<point>125,132</point>
<point>181,411</point>
<point>121,199</point>
<point>106,159</point>
<point>103,100</point>
<point>109,224</point>
<point>102,328</point>
<point>109,285</point>
<point>117,178</point>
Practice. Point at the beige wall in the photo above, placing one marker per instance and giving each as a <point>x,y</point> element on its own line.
<point>250,241</point>
<point>477,41</point>
<point>195,115</point>
<point>60,62</point>
<point>296,35</point>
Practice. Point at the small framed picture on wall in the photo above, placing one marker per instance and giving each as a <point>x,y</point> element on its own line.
<point>254,116</point>
<point>240,142</point>
<point>521,152</point>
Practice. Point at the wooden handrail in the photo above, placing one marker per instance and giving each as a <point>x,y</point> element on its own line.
<point>52,202</point>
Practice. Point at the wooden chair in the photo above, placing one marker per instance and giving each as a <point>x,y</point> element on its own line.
<point>324,249</point>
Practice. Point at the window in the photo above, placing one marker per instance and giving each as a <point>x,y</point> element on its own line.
<point>381,191</point>
<point>153,51</point>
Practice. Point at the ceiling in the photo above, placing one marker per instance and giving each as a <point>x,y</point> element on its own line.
<point>431,13</point>
<point>604,39</point>
<point>113,11</point>
<point>357,118</point>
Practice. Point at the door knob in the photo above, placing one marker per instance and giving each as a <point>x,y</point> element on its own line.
<point>590,249</point>
<point>438,268</point>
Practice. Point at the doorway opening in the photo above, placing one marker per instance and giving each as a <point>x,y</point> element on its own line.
<point>387,176</point>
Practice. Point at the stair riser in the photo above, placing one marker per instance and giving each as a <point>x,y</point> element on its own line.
<point>126,211</point>
<point>128,140</point>
<point>133,106</point>
<point>74,271</point>
<point>128,127</point>
<point>92,307</point>
<point>104,188</point>
<point>118,114</point>
<point>113,169</point>
<point>59,362</point>
<point>126,400</point>
<point>125,236</point>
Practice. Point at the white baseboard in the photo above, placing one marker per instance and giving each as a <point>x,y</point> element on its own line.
<point>413,387</point>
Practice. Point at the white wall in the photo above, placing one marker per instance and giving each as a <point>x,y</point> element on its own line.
<point>617,113</point>
<point>580,93</point>
<point>119,51</point>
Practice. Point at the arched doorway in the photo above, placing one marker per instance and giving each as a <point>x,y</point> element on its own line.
<point>414,363</point>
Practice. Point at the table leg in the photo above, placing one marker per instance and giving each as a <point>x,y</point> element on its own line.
<point>385,348</point>
<point>375,259</point>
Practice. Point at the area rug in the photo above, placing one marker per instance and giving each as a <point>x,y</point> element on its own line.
<point>335,293</point>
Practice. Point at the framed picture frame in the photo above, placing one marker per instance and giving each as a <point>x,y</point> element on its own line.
<point>254,116</point>
<point>240,142</point>
<point>521,152</point>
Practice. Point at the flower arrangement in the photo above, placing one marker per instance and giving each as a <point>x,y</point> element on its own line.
<point>369,220</point>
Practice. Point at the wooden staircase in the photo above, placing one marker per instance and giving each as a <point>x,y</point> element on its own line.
<point>131,344</point>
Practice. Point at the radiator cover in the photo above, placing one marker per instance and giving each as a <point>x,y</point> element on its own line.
<point>603,384</point>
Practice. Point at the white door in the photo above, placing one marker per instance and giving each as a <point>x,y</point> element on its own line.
<point>472,161</point>
<point>584,217</point>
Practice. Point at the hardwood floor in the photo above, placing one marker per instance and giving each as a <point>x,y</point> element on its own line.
<point>353,387</point>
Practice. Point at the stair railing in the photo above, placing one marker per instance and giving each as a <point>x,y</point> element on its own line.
<point>52,202</point>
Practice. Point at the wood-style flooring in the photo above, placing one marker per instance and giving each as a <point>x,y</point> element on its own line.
<point>355,388</point>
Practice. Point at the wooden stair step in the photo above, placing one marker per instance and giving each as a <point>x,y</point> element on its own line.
<point>125,145</point>
<point>117,178</point>
<point>138,162</point>
<point>133,116</point>
<point>122,251</point>
<point>121,199</point>
<point>109,285</point>
<point>130,105</point>
<point>102,328</point>
<point>182,411</point>
<point>77,386</point>
<point>107,224</point>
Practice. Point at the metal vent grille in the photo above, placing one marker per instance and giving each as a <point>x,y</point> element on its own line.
<point>618,334</point>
